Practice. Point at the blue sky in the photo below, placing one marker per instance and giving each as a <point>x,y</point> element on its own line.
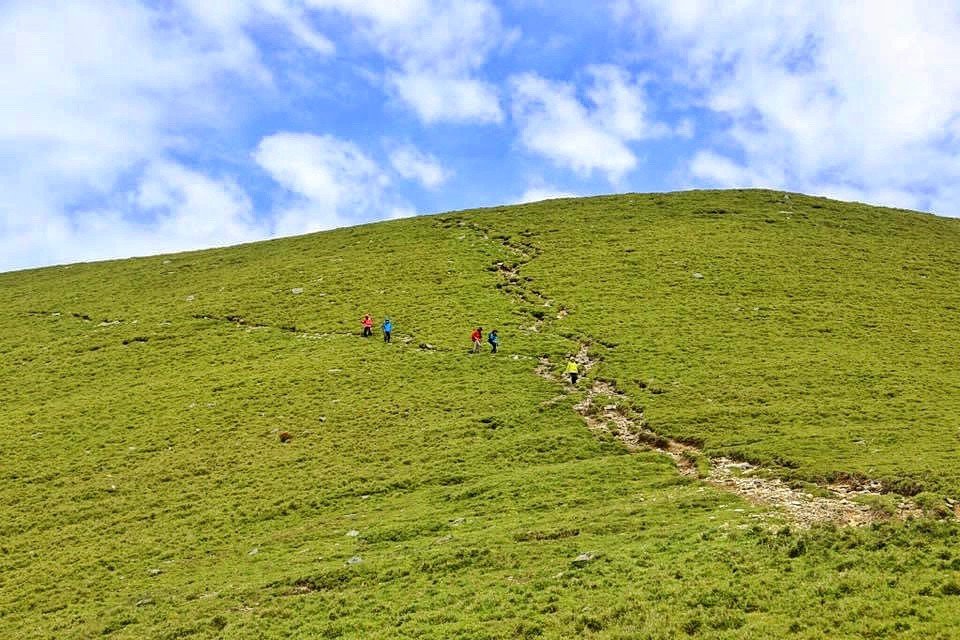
<point>137,127</point>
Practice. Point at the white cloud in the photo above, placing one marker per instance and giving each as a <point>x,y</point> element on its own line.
<point>91,87</point>
<point>413,164</point>
<point>714,168</point>
<point>842,97</point>
<point>191,210</point>
<point>555,123</point>
<point>333,182</point>
<point>438,47</point>
<point>436,97</point>
<point>94,91</point>
<point>537,194</point>
<point>171,208</point>
<point>401,211</point>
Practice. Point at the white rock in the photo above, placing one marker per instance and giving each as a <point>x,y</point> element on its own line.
<point>697,275</point>
<point>296,291</point>
<point>353,533</point>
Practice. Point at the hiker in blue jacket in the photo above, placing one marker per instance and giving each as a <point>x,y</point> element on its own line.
<point>494,339</point>
<point>387,327</point>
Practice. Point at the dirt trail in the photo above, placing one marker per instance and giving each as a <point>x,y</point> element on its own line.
<point>605,409</point>
<point>512,283</point>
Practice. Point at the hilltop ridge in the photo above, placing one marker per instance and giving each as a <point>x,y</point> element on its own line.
<point>428,492</point>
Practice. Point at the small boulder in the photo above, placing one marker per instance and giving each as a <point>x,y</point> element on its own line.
<point>355,560</point>
<point>296,291</point>
<point>286,436</point>
<point>583,559</point>
<point>698,276</point>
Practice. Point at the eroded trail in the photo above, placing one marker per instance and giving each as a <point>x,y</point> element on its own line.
<point>605,410</point>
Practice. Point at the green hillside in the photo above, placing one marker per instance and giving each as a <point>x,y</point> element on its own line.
<point>432,493</point>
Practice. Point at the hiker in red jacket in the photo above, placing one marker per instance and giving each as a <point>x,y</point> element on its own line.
<point>367,323</point>
<point>477,338</point>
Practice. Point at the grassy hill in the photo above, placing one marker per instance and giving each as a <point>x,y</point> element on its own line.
<point>430,493</point>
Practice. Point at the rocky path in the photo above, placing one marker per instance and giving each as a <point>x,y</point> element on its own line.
<point>605,409</point>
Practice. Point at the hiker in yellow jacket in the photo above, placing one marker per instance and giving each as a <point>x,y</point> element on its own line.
<point>572,370</point>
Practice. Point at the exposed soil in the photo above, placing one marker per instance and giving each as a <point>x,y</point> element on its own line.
<point>604,410</point>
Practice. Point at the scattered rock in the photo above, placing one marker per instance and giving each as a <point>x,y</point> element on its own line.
<point>286,436</point>
<point>741,478</point>
<point>253,552</point>
<point>154,572</point>
<point>144,602</point>
<point>697,275</point>
<point>426,346</point>
<point>355,560</point>
<point>353,533</point>
<point>190,298</point>
<point>334,370</point>
<point>296,291</point>
<point>458,522</point>
<point>583,559</point>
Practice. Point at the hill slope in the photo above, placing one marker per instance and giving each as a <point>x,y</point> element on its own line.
<point>428,492</point>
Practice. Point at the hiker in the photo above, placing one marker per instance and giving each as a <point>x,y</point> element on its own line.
<point>572,370</point>
<point>477,338</point>
<point>494,339</point>
<point>367,323</point>
<point>387,327</point>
